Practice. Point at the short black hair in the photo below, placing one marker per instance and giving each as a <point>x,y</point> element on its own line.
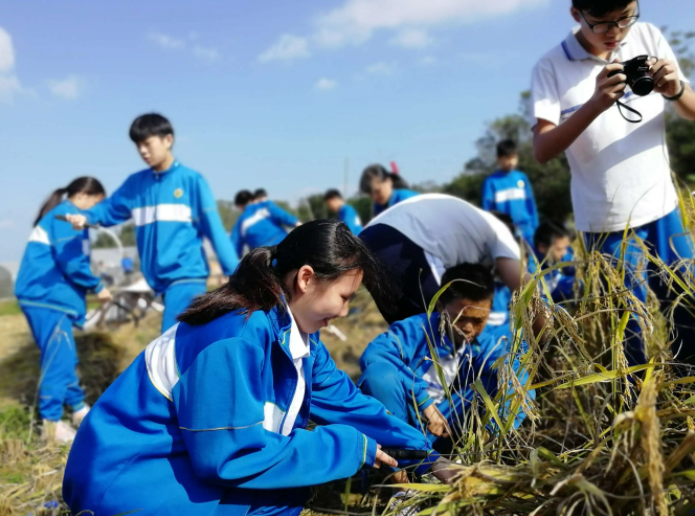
<point>598,8</point>
<point>260,193</point>
<point>333,193</point>
<point>507,148</point>
<point>150,124</point>
<point>477,283</point>
<point>243,197</point>
<point>549,232</point>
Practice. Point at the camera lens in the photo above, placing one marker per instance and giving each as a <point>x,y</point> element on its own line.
<point>642,86</point>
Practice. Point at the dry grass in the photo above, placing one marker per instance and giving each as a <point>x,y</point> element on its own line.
<point>31,472</point>
<point>600,438</point>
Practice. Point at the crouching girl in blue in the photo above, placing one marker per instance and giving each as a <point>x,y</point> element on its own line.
<point>52,284</point>
<point>210,419</point>
<point>399,371</point>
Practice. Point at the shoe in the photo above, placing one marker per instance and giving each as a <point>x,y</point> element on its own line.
<point>79,415</point>
<point>58,432</point>
<point>399,506</point>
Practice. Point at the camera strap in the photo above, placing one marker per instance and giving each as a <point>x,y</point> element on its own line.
<point>622,105</point>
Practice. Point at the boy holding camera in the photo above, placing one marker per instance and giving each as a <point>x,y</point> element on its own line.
<point>621,175</point>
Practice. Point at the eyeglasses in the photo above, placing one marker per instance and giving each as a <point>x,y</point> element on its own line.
<point>603,27</point>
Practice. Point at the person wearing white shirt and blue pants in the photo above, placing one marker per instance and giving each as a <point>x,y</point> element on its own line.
<point>621,176</point>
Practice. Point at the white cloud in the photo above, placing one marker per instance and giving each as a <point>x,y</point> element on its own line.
<point>428,61</point>
<point>324,84</point>
<point>68,88</point>
<point>206,53</point>
<point>9,82</point>
<point>6,224</point>
<point>6,51</point>
<point>357,20</point>
<point>9,85</point>
<point>412,38</point>
<point>381,68</point>
<point>287,48</point>
<point>165,41</point>
<point>199,51</point>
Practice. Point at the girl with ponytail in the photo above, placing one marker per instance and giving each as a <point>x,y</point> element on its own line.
<point>384,187</point>
<point>53,281</point>
<point>212,415</point>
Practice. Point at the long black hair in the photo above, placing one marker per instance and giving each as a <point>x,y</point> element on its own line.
<point>259,283</point>
<point>379,172</point>
<point>86,185</point>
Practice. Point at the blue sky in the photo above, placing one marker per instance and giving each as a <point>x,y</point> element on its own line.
<point>265,93</point>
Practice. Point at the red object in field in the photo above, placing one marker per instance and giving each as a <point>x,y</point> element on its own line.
<point>394,167</point>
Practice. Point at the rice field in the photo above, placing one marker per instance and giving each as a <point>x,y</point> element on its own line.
<point>600,437</point>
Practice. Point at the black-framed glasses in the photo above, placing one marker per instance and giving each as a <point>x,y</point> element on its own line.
<point>603,27</point>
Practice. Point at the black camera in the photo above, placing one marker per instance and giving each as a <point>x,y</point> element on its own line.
<point>638,78</point>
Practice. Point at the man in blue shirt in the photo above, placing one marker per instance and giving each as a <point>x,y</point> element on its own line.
<point>509,191</point>
<point>551,245</point>
<point>173,209</point>
<point>261,224</point>
<point>346,213</point>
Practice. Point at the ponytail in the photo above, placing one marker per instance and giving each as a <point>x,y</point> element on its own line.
<point>260,281</point>
<point>53,200</point>
<point>398,182</point>
<point>254,286</point>
<point>86,185</point>
<point>379,172</point>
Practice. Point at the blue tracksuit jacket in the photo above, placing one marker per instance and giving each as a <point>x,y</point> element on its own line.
<point>397,196</point>
<point>200,414</point>
<point>261,225</point>
<point>172,210</point>
<point>349,216</point>
<point>511,193</point>
<point>405,346</point>
<point>560,282</point>
<point>499,315</point>
<point>55,272</point>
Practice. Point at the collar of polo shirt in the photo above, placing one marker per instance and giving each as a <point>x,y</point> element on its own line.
<point>576,52</point>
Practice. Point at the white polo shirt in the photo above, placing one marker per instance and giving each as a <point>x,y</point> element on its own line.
<point>299,349</point>
<point>620,171</point>
<point>450,229</point>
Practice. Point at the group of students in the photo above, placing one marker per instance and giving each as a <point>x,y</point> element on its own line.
<point>212,416</point>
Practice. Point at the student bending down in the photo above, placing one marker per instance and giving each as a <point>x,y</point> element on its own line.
<point>261,223</point>
<point>418,239</point>
<point>211,417</point>
<point>398,366</point>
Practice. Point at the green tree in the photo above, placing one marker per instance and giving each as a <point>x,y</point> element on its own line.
<point>125,233</point>
<point>363,206</point>
<point>680,134</point>
<point>313,208</point>
<point>228,214</point>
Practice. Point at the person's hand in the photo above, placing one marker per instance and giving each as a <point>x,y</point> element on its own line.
<point>77,221</point>
<point>104,295</point>
<point>437,424</point>
<point>666,78</point>
<point>609,89</point>
<point>383,458</point>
